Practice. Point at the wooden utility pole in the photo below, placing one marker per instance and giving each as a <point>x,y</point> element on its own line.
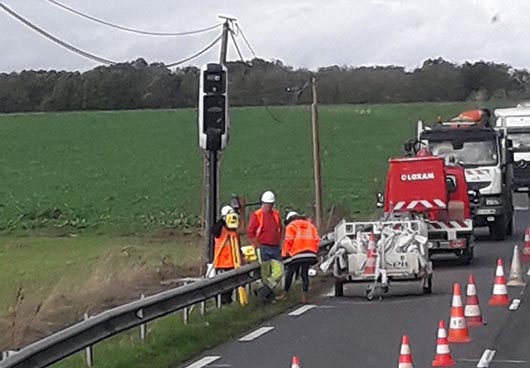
<point>316,155</point>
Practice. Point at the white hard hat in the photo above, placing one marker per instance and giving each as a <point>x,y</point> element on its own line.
<point>291,215</point>
<point>268,197</point>
<point>226,210</point>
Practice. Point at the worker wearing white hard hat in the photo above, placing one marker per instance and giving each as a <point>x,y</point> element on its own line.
<point>224,232</point>
<point>265,233</point>
<point>300,246</point>
<point>265,228</point>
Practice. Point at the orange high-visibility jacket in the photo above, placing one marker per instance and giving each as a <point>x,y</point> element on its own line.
<point>224,258</point>
<point>300,236</point>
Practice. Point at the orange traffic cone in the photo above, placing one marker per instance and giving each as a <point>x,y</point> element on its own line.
<point>371,257</point>
<point>472,310</point>
<point>500,292</point>
<point>296,362</point>
<point>458,332</point>
<point>443,355</point>
<point>526,247</point>
<point>405,356</point>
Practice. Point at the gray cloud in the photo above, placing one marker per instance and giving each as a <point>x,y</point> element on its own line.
<point>302,33</point>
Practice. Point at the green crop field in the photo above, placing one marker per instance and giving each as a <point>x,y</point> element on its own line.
<point>92,177</point>
<point>128,172</point>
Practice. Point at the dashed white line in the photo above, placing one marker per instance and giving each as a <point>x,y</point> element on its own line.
<point>254,335</point>
<point>486,358</point>
<point>302,310</point>
<point>204,362</point>
<point>515,304</point>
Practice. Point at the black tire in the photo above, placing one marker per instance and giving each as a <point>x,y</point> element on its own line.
<point>510,228</point>
<point>498,230</point>
<point>467,256</point>
<point>339,288</point>
<point>427,288</point>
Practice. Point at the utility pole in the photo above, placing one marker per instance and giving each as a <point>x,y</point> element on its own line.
<point>211,172</point>
<point>316,155</point>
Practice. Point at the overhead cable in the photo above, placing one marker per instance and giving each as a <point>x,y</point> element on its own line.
<point>133,30</point>
<point>240,30</point>
<point>237,46</point>
<point>55,39</point>
<point>212,44</point>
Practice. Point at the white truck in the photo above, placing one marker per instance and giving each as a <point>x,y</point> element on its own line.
<point>515,123</point>
<point>482,151</point>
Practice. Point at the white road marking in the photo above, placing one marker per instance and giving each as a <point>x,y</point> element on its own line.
<point>515,304</point>
<point>204,362</point>
<point>302,310</point>
<point>254,335</point>
<point>486,358</point>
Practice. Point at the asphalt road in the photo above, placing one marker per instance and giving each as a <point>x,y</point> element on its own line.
<point>352,332</point>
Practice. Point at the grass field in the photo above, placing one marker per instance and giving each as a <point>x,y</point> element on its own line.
<point>128,172</point>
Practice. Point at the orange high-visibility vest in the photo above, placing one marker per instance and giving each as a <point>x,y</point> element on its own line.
<point>300,236</point>
<point>224,258</point>
<point>275,215</point>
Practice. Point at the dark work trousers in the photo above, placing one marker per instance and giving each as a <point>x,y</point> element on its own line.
<point>301,267</point>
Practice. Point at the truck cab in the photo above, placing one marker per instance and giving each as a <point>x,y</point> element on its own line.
<point>480,150</point>
<point>515,124</point>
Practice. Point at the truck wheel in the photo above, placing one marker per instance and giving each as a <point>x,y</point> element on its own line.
<point>498,230</point>
<point>339,288</point>
<point>467,256</point>
<point>511,227</point>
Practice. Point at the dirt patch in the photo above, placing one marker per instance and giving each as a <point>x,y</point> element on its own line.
<point>107,286</point>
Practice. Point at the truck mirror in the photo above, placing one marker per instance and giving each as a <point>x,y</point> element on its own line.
<point>407,147</point>
<point>508,143</point>
<point>451,184</point>
<point>380,200</point>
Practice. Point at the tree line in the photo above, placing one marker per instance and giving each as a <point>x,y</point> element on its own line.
<point>139,85</point>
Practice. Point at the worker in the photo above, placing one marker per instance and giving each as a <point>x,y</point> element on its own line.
<point>300,248</point>
<point>225,235</point>
<point>265,228</point>
<point>265,234</point>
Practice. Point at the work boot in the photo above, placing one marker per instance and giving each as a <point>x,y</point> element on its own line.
<point>303,298</point>
<point>281,296</point>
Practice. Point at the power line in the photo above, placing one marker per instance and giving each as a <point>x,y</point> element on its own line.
<point>212,44</point>
<point>55,39</point>
<point>246,40</point>
<point>133,30</point>
<point>236,46</point>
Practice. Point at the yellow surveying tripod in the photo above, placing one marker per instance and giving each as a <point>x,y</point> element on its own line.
<point>232,240</point>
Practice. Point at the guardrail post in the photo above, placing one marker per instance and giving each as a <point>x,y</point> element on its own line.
<point>143,326</point>
<point>185,311</point>
<point>203,308</point>
<point>89,353</point>
<point>218,301</point>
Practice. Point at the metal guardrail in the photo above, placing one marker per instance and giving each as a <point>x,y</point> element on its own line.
<point>75,338</point>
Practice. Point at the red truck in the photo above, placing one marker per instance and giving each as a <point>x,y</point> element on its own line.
<point>432,189</point>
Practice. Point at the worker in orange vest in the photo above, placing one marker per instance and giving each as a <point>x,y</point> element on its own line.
<point>226,242</point>
<point>300,248</point>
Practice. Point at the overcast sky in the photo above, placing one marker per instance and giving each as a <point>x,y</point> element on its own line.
<point>301,33</point>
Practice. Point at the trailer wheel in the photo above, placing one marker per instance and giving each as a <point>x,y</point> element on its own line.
<point>339,288</point>
<point>369,294</point>
<point>427,285</point>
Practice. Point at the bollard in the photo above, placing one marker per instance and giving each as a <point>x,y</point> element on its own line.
<point>89,354</point>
